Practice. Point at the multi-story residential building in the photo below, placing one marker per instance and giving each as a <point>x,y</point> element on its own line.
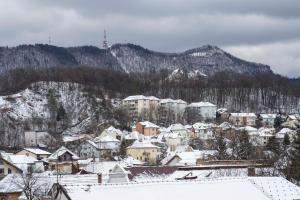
<point>140,106</point>
<point>201,111</point>
<point>243,119</point>
<point>171,111</point>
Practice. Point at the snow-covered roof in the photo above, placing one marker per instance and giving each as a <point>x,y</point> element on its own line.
<point>243,114</point>
<point>112,129</point>
<point>285,130</point>
<point>294,117</point>
<point>268,116</point>
<point>132,135</point>
<point>142,144</point>
<point>226,125</point>
<point>200,125</point>
<point>190,158</point>
<point>276,187</point>
<point>7,185</point>
<point>37,151</point>
<point>233,188</point>
<point>107,138</point>
<point>21,159</point>
<point>60,152</point>
<point>222,110</point>
<point>250,129</point>
<point>201,104</point>
<point>178,101</point>
<point>175,127</point>
<point>140,97</point>
<point>148,124</point>
<point>131,161</point>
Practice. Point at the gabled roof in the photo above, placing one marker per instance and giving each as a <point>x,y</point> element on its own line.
<point>11,164</point>
<point>37,151</point>
<point>60,152</point>
<point>268,116</point>
<point>22,159</point>
<point>142,144</point>
<point>148,124</point>
<point>140,97</point>
<point>176,127</point>
<point>243,114</point>
<point>178,101</point>
<point>201,104</point>
<point>107,138</point>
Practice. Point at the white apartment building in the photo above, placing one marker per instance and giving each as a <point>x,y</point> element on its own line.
<point>171,110</point>
<point>141,106</point>
<point>200,111</point>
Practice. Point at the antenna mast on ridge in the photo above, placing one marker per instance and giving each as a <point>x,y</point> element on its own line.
<point>105,43</point>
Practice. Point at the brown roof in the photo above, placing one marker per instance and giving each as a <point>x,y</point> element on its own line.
<point>151,170</point>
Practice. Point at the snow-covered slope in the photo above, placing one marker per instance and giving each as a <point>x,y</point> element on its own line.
<point>127,58</point>
<point>29,110</point>
<point>206,59</point>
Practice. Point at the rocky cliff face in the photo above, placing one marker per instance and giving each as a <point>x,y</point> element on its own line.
<point>127,58</point>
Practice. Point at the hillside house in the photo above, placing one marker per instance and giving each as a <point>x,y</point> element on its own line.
<point>144,151</point>
<point>267,119</point>
<point>108,143</point>
<point>146,128</point>
<point>64,161</point>
<point>7,167</point>
<point>38,154</point>
<point>88,149</point>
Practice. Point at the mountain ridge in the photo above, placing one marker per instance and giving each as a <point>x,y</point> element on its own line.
<point>129,58</point>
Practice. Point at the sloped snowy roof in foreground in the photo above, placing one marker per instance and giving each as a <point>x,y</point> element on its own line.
<point>258,188</point>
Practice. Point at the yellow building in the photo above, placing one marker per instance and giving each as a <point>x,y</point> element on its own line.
<point>144,151</point>
<point>7,167</point>
<point>146,128</point>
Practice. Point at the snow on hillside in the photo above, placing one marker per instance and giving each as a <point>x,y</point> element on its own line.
<point>29,110</point>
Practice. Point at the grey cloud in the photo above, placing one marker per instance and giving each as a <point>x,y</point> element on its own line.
<point>169,25</point>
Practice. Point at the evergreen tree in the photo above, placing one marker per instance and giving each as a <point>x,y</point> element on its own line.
<point>277,122</point>
<point>286,140</point>
<point>274,146</point>
<point>61,113</point>
<point>293,169</point>
<point>52,103</point>
<point>245,147</point>
<point>221,147</point>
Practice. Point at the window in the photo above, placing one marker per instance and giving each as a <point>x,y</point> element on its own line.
<point>9,171</point>
<point>2,171</point>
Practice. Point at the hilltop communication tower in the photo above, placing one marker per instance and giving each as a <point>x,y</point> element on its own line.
<point>105,43</point>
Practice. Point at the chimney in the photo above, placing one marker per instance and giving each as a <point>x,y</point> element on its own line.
<point>251,171</point>
<point>100,178</point>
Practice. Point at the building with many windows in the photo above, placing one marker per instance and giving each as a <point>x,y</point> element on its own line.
<point>140,106</point>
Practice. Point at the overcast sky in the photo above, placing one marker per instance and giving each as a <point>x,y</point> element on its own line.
<point>265,31</point>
